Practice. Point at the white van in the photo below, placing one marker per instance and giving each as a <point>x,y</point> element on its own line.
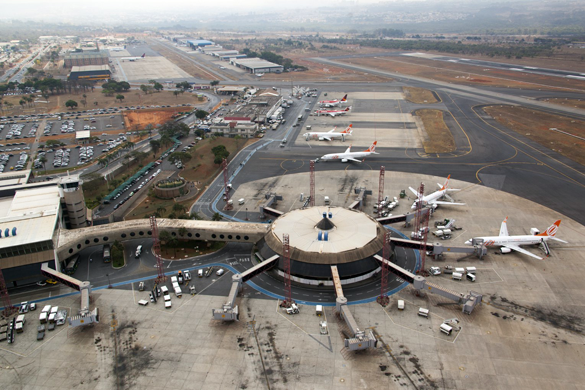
<point>470,277</point>
<point>164,290</point>
<point>138,250</point>
<point>174,280</point>
<point>43,317</point>
<point>143,302</point>
<point>319,310</point>
<point>178,292</point>
<point>446,329</point>
<point>423,312</point>
<point>460,270</point>
<point>241,201</point>
<point>200,273</point>
<point>472,270</point>
<point>457,276</point>
<point>400,304</point>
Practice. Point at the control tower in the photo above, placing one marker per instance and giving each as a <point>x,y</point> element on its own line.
<point>73,202</point>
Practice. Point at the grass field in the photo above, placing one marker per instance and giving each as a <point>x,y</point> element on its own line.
<point>440,137</point>
<point>578,103</point>
<point>536,125</point>
<point>419,95</point>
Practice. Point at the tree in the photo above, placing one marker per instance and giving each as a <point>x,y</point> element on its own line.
<point>124,85</point>
<point>164,235</point>
<point>176,93</point>
<point>155,145</point>
<point>161,210</point>
<point>179,156</point>
<point>179,208</point>
<point>158,87</point>
<point>144,88</point>
<point>183,85</point>
<point>201,114</point>
<point>182,231</point>
<point>120,98</point>
<point>195,215</point>
<point>71,104</point>
<point>43,160</point>
<point>214,83</point>
<point>216,217</point>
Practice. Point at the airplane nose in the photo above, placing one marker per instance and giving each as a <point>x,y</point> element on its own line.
<point>468,242</point>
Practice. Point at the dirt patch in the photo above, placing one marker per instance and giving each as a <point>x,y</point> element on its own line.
<point>440,138</point>
<point>465,74</point>
<point>578,103</point>
<point>139,119</point>
<point>419,95</point>
<point>96,99</point>
<point>537,125</point>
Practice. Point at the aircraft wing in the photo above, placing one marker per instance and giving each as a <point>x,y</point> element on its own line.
<point>518,249</point>
<point>352,159</point>
<point>557,239</point>
<point>332,114</point>
<point>450,203</point>
<point>332,130</point>
<point>325,137</point>
<point>415,192</point>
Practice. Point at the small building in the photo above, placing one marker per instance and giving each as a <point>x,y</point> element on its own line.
<point>230,56</point>
<point>256,65</point>
<point>90,72</point>
<point>230,90</point>
<point>244,129</point>
<point>220,53</point>
<point>211,49</point>
<point>82,136</point>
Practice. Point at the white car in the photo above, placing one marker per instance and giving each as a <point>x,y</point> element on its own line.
<point>168,303</point>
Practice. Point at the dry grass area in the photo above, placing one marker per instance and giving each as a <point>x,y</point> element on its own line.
<point>419,95</point>
<point>440,138</point>
<point>465,74</point>
<point>139,119</point>
<point>131,98</point>
<point>577,103</point>
<point>536,125</point>
<point>200,170</point>
<point>188,66</point>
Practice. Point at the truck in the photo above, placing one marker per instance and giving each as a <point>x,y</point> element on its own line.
<point>326,200</point>
<point>274,126</point>
<point>178,292</point>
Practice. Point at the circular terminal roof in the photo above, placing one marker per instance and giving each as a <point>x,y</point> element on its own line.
<point>353,236</point>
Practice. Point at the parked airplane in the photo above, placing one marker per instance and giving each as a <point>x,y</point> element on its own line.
<point>333,113</point>
<point>509,243</point>
<point>132,59</point>
<point>330,135</point>
<point>116,49</point>
<point>432,199</point>
<point>348,155</point>
<point>333,103</point>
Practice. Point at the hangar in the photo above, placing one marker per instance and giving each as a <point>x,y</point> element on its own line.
<point>256,65</point>
<point>81,58</point>
<point>196,43</point>
<point>90,72</point>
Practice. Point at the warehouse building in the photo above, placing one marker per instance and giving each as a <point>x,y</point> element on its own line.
<point>90,72</point>
<point>197,43</point>
<point>256,65</point>
<point>230,56</point>
<point>244,129</point>
<point>83,58</point>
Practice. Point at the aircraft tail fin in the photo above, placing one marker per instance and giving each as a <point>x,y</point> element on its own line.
<point>372,148</point>
<point>143,55</point>
<point>446,183</point>
<point>344,98</point>
<point>348,130</point>
<point>552,229</point>
<point>504,228</point>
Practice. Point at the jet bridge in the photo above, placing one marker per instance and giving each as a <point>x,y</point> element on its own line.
<point>406,218</point>
<point>361,192</point>
<point>271,198</point>
<point>360,339</point>
<point>85,316</point>
<point>229,311</point>
<point>469,301</point>
<point>438,250</point>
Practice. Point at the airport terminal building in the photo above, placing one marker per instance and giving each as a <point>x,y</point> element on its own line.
<point>30,217</point>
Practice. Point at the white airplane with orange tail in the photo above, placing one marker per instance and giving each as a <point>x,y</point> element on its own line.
<point>509,243</point>
<point>333,113</point>
<point>433,199</point>
<point>348,155</point>
<point>330,135</point>
<point>333,103</point>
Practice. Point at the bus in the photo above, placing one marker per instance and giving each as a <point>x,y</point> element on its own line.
<point>72,265</point>
<point>106,254</point>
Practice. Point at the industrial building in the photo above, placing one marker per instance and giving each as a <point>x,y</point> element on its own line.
<point>197,43</point>
<point>256,65</point>
<point>258,109</point>
<point>244,129</point>
<point>82,58</point>
<point>90,72</point>
<point>30,217</point>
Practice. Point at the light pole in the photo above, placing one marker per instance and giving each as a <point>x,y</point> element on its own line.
<point>109,284</point>
<point>247,214</point>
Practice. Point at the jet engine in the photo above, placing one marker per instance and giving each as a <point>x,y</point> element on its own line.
<point>505,250</point>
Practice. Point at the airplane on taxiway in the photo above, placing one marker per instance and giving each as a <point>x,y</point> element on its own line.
<point>132,59</point>
<point>509,243</point>
<point>329,135</point>
<point>348,155</point>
